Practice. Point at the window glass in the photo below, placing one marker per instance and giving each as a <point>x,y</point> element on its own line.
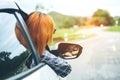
<point>12,53</point>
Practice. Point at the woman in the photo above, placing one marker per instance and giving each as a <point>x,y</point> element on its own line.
<point>41,28</point>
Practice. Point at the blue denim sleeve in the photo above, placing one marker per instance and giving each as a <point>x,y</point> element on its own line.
<point>61,67</point>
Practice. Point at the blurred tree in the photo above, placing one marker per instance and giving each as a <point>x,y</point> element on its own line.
<point>68,22</point>
<point>84,21</point>
<point>117,19</point>
<point>63,21</point>
<point>43,8</point>
<point>11,66</point>
<point>36,7</point>
<point>77,21</point>
<point>102,17</point>
<point>39,7</point>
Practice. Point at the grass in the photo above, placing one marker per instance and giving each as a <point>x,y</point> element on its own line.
<point>114,28</point>
<point>71,35</point>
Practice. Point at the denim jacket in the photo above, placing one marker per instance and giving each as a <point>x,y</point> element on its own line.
<point>61,67</point>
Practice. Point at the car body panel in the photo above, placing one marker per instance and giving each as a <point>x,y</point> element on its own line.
<point>42,74</point>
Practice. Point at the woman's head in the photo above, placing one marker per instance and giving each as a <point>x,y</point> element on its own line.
<point>41,29</point>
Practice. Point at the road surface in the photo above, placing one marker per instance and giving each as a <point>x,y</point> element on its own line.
<point>100,59</point>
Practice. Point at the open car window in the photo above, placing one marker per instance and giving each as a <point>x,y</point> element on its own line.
<point>12,53</point>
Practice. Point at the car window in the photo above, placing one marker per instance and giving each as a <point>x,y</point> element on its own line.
<point>12,53</point>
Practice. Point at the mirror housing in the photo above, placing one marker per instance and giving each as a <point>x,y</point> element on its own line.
<point>69,50</point>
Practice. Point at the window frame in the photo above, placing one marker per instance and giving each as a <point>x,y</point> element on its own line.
<point>27,37</point>
<point>34,52</point>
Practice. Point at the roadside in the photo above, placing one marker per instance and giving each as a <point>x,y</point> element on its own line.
<point>100,58</point>
<point>84,34</point>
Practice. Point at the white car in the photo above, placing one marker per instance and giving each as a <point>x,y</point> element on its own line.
<point>12,53</point>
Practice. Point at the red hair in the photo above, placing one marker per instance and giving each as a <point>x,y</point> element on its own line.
<point>41,29</point>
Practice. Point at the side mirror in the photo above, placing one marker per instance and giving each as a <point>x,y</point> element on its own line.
<point>69,50</point>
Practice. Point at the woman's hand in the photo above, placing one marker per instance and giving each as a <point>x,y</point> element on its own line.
<point>72,53</point>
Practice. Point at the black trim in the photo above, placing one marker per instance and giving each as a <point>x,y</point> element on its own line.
<point>12,11</point>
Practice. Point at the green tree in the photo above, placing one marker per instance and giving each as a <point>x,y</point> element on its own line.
<point>119,21</point>
<point>102,17</point>
<point>77,21</point>
<point>84,21</point>
<point>68,22</point>
<point>40,7</point>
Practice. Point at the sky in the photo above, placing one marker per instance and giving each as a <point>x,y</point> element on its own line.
<point>73,7</point>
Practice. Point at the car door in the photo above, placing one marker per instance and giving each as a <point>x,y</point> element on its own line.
<point>13,55</point>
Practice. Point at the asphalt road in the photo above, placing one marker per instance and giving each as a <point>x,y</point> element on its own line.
<point>100,59</point>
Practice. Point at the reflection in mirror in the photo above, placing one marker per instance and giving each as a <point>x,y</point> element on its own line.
<point>69,50</point>
<point>12,66</point>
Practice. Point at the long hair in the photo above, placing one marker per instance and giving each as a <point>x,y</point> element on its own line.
<point>41,29</point>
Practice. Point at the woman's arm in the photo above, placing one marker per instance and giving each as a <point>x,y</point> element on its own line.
<point>61,67</point>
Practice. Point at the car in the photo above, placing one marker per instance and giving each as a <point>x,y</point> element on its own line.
<point>13,55</point>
